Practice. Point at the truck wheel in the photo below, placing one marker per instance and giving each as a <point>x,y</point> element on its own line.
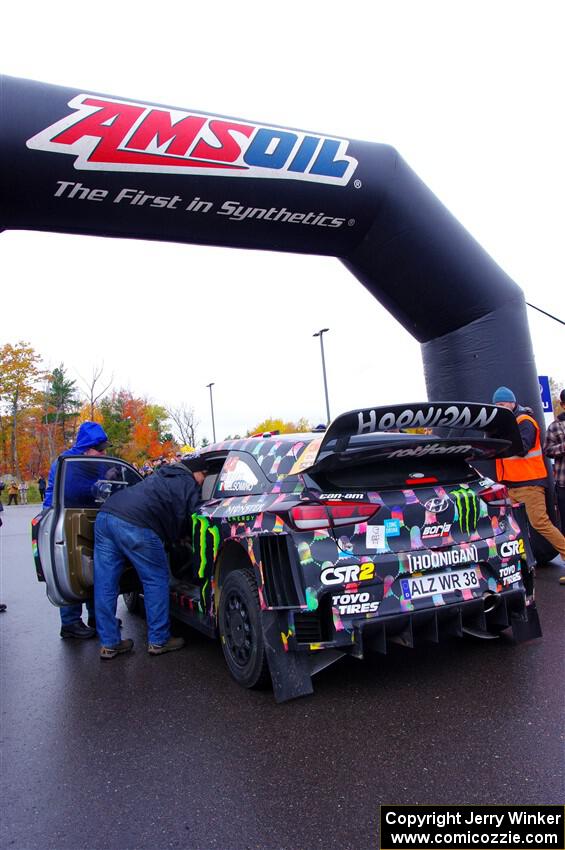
<point>241,632</point>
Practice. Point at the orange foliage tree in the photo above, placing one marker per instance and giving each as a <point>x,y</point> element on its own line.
<point>135,428</point>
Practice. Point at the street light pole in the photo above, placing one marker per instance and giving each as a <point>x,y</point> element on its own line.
<point>212,409</point>
<point>321,333</point>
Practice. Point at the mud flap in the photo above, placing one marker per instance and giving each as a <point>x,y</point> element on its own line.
<point>290,671</point>
<point>526,627</point>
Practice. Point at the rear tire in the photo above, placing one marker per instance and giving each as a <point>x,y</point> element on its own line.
<point>241,631</point>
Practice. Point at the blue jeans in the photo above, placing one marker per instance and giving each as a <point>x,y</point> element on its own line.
<point>116,541</point>
<point>73,613</point>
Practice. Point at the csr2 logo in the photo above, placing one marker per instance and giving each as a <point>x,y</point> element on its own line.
<point>512,547</point>
<point>348,574</point>
<point>105,134</point>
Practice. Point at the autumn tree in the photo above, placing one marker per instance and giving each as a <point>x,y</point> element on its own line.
<point>63,402</point>
<point>96,386</point>
<point>185,423</point>
<point>271,424</point>
<point>135,428</point>
<point>19,378</point>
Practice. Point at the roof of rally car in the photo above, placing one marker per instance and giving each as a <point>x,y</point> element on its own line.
<point>465,429</point>
<point>287,454</point>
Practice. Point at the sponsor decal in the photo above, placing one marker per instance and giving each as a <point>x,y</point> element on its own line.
<point>508,571</point>
<point>347,574</point>
<point>437,505</point>
<point>510,548</point>
<point>354,603</point>
<point>440,530</point>
<point>237,476</point>
<point>451,416</point>
<point>252,507</point>
<point>432,449</point>
<point>375,537</point>
<point>467,509</point>
<point>107,134</point>
<point>337,497</point>
<point>307,457</point>
<point>392,527</point>
<point>506,580</point>
<point>242,519</point>
<point>449,558</point>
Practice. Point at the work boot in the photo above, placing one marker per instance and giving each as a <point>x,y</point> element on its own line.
<point>77,630</point>
<point>159,648</point>
<point>111,651</point>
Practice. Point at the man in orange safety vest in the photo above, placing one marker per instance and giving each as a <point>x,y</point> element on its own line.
<point>526,477</point>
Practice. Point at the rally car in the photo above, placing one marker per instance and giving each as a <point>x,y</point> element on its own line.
<point>310,547</point>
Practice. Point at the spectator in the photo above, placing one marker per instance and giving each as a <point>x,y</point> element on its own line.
<point>554,447</point>
<point>526,476</point>
<point>13,492</point>
<point>132,526</point>
<point>41,485</point>
<point>23,492</point>
<point>91,441</point>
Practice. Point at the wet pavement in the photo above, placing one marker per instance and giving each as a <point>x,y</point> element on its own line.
<point>146,753</point>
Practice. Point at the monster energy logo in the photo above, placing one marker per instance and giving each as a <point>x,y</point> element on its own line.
<point>466,503</point>
<point>202,524</point>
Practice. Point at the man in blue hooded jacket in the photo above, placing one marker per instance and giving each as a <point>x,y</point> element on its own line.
<point>91,441</point>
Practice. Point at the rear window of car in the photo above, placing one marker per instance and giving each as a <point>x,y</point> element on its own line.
<point>399,473</point>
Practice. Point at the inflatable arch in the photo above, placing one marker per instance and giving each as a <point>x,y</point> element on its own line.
<point>77,162</point>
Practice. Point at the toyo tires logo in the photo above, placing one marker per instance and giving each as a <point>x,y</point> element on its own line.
<point>105,134</point>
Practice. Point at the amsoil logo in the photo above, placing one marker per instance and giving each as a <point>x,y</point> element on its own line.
<point>105,134</point>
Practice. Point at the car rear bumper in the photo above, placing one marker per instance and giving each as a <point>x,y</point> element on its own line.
<point>294,658</point>
<point>485,616</point>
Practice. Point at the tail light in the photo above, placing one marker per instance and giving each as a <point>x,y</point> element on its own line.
<point>425,479</point>
<point>331,514</point>
<point>495,495</point>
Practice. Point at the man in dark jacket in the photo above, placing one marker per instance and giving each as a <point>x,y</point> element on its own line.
<point>91,441</point>
<point>133,525</point>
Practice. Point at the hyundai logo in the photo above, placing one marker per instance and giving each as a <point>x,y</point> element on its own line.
<point>436,506</point>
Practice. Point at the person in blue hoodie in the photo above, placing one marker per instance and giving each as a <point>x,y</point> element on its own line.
<point>91,441</point>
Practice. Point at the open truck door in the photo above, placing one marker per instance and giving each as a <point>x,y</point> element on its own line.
<point>63,535</point>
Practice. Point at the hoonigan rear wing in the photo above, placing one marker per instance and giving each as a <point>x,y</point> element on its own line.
<point>482,432</point>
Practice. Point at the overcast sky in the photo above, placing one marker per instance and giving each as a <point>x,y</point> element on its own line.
<point>469,93</point>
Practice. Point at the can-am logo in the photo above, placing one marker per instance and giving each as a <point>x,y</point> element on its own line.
<point>105,134</point>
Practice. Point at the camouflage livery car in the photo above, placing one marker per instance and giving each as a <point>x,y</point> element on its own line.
<point>310,547</point>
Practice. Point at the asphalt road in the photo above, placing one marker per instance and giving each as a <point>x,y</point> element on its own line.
<point>147,753</point>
